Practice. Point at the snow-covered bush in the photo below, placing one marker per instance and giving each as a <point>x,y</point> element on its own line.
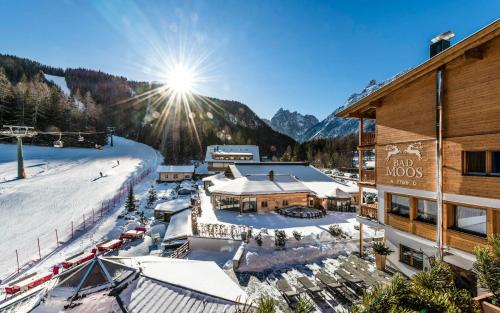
<point>280,238</point>
<point>297,235</point>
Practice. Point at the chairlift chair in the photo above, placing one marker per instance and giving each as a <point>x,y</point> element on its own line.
<point>80,138</point>
<point>58,143</point>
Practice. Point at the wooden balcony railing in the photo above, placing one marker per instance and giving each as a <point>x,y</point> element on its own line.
<point>367,177</point>
<point>368,210</point>
<point>368,139</point>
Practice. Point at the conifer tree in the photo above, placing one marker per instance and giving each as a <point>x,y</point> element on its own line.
<point>130,204</point>
<point>152,196</point>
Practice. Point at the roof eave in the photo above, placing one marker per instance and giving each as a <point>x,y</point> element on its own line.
<point>481,36</point>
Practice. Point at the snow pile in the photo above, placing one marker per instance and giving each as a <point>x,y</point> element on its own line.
<point>60,82</point>
<point>310,248</point>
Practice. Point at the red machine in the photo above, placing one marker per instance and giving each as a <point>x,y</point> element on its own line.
<point>109,245</point>
<point>28,282</point>
<point>78,259</point>
<point>132,234</point>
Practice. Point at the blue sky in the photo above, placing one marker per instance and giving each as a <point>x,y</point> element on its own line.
<point>307,56</point>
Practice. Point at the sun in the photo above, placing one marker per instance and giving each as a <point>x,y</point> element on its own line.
<point>181,79</point>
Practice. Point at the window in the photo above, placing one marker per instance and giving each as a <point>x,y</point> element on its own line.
<point>176,176</point>
<point>311,202</point>
<point>470,220</point>
<point>475,162</point>
<point>495,163</point>
<point>263,204</point>
<point>186,176</point>
<point>427,211</point>
<point>285,202</point>
<point>249,204</point>
<point>400,205</point>
<point>411,257</point>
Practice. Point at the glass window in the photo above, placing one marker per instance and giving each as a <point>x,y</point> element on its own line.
<point>427,211</point>
<point>475,162</point>
<point>411,257</point>
<point>176,176</point>
<point>400,205</point>
<point>264,204</point>
<point>470,220</point>
<point>285,202</point>
<point>495,163</point>
<point>249,204</point>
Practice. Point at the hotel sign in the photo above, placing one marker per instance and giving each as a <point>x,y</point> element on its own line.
<point>403,163</point>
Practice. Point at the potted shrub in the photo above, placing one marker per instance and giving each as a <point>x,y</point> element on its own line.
<point>487,269</point>
<point>381,253</point>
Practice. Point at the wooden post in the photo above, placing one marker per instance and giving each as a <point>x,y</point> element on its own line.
<point>17,258</point>
<point>72,234</point>
<point>39,252</point>
<point>83,221</point>
<point>360,239</point>
<point>57,239</point>
<point>93,220</point>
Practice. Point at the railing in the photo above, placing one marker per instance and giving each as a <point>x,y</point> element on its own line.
<point>368,139</point>
<point>367,177</point>
<point>180,252</point>
<point>368,210</point>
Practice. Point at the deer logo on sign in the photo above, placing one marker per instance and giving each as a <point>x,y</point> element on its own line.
<point>392,150</point>
<point>414,148</point>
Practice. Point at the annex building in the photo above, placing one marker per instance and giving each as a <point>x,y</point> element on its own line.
<point>268,186</point>
<point>219,157</point>
<point>437,147</point>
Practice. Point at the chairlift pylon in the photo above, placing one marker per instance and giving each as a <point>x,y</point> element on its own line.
<point>58,143</point>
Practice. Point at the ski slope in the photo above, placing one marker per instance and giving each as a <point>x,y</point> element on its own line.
<point>60,81</point>
<point>61,186</point>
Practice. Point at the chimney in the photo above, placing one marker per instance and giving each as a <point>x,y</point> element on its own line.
<point>271,175</point>
<point>440,43</point>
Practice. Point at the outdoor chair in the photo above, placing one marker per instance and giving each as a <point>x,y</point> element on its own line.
<point>336,287</point>
<point>356,283</point>
<point>311,288</point>
<point>287,291</point>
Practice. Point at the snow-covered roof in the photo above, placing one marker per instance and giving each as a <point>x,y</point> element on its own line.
<point>173,205</point>
<point>260,184</point>
<point>181,286</point>
<point>179,226</point>
<point>147,295</point>
<point>175,169</point>
<point>300,170</point>
<point>337,193</point>
<point>216,179</point>
<point>201,169</point>
<point>310,179</point>
<point>201,276</point>
<point>243,150</point>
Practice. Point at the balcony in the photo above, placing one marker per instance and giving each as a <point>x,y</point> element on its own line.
<point>367,177</point>
<point>368,139</point>
<point>368,210</point>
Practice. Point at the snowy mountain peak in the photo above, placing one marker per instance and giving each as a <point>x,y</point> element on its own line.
<point>292,124</point>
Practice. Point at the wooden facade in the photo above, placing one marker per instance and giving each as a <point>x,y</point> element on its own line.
<point>267,202</point>
<point>406,140</point>
<point>170,176</point>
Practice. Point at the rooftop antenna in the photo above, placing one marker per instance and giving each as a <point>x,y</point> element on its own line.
<point>19,132</point>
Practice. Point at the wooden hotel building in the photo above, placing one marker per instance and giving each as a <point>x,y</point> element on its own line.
<point>437,147</point>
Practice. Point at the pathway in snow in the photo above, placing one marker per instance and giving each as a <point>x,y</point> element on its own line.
<point>60,187</point>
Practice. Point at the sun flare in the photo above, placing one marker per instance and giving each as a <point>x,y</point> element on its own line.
<point>181,79</point>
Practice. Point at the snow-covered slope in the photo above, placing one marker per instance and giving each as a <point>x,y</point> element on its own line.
<point>292,124</point>
<point>60,81</point>
<point>60,187</point>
